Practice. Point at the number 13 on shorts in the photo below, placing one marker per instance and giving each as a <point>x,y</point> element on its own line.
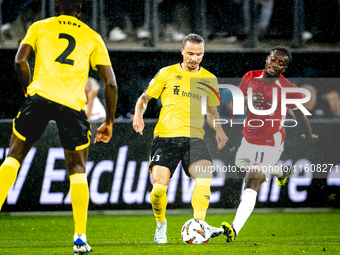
<point>155,158</point>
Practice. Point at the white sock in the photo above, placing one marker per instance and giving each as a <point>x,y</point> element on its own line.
<point>244,209</point>
<point>81,236</point>
<point>161,223</point>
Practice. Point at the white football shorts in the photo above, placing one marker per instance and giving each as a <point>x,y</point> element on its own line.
<point>261,157</point>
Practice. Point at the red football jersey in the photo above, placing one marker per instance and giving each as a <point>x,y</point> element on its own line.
<point>272,132</point>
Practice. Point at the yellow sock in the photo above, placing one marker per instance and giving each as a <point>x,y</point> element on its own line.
<point>201,196</point>
<point>8,174</point>
<point>159,201</point>
<point>80,201</point>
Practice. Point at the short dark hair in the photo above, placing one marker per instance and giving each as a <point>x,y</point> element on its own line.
<point>70,5</point>
<point>285,51</point>
<point>194,38</point>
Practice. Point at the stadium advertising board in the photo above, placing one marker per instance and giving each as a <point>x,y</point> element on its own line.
<point>119,178</point>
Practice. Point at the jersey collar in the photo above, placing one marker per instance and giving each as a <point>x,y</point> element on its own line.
<point>192,73</point>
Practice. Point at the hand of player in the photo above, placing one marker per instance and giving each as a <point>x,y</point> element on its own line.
<point>257,99</point>
<point>310,139</point>
<point>104,133</point>
<point>221,139</point>
<point>138,124</point>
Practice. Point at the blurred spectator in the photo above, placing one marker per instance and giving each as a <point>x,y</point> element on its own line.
<point>94,109</point>
<point>311,105</point>
<point>266,14</point>
<point>231,18</point>
<point>323,20</point>
<point>263,14</point>
<point>226,17</point>
<point>167,14</point>
<point>333,100</point>
<point>10,11</point>
<point>116,12</point>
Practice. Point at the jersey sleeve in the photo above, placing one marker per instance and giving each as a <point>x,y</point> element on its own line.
<point>214,99</point>
<point>296,95</point>
<point>156,85</point>
<point>31,35</point>
<point>100,55</point>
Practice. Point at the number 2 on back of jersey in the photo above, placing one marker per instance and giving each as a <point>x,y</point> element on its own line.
<point>71,45</point>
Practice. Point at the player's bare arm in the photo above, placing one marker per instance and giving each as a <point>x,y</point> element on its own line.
<point>21,65</point>
<point>304,124</point>
<point>104,132</point>
<point>221,137</point>
<point>92,92</point>
<point>141,105</point>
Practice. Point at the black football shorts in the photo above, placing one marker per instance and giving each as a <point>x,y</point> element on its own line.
<point>37,111</point>
<point>169,151</point>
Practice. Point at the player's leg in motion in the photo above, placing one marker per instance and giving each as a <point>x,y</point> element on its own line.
<point>201,195</point>
<point>76,161</point>
<point>253,181</point>
<point>9,168</point>
<point>159,200</point>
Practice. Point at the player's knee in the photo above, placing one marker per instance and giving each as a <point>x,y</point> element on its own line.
<point>78,178</point>
<point>158,191</point>
<point>204,179</point>
<point>254,180</point>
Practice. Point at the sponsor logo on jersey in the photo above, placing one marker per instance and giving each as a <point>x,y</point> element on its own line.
<point>191,95</point>
<point>176,90</point>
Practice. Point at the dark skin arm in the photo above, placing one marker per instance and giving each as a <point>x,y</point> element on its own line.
<point>304,124</point>
<point>22,67</point>
<point>104,132</point>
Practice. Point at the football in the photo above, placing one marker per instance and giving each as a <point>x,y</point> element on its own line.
<point>196,231</point>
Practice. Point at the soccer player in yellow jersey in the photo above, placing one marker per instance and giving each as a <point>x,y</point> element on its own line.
<point>64,48</point>
<point>178,135</point>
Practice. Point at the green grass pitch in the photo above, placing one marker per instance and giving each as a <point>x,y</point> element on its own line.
<point>263,233</point>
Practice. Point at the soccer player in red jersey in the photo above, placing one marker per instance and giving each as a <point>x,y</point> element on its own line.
<point>263,135</point>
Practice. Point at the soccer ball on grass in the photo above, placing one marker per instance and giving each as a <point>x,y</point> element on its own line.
<point>196,231</point>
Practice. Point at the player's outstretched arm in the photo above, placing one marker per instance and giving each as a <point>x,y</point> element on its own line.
<point>104,132</point>
<point>221,137</point>
<point>304,124</point>
<point>141,105</point>
<point>21,65</point>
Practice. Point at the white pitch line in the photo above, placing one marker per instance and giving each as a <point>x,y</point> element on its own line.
<point>169,212</point>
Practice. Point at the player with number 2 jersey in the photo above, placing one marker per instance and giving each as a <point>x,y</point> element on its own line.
<point>64,49</point>
<point>63,46</point>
